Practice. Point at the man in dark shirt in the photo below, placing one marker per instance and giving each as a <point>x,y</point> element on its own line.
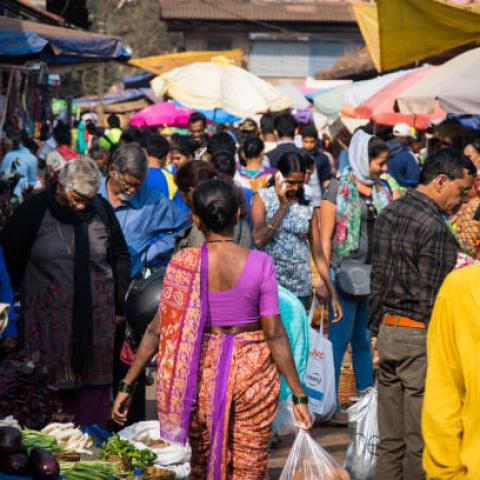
<point>413,251</point>
<point>285,126</point>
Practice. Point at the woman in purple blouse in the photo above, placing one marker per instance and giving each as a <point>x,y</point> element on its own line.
<point>221,345</point>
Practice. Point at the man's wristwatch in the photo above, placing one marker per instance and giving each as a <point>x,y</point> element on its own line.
<point>125,387</point>
<point>297,399</point>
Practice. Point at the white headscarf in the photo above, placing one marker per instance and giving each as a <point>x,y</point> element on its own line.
<point>358,156</point>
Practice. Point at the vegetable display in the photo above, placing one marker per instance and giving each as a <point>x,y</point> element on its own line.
<point>123,449</point>
<point>20,455</point>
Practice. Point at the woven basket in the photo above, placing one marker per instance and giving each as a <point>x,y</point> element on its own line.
<point>159,473</point>
<point>346,385</point>
<point>317,317</point>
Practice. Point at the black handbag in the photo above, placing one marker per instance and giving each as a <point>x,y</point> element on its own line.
<point>353,277</point>
<point>353,280</point>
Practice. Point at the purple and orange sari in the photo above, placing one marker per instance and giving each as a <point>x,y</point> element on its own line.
<point>220,391</point>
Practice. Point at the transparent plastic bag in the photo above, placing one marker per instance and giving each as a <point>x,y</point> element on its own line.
<point>285,423</point>
<point>361,454</point>
<point>307,460</point>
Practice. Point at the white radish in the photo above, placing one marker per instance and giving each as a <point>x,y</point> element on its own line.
<point>82,450</point>
<point>57,426</point>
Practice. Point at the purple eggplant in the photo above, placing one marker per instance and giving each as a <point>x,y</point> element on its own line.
<point>43,465</point>
<point>14,464</point>
<point>10,440</point>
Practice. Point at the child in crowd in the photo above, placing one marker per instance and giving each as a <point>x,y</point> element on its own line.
<point>322,170</point>
<point>182,150</point>
<point>252,175</point>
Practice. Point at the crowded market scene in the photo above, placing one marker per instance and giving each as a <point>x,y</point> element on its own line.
<point>239,240</point>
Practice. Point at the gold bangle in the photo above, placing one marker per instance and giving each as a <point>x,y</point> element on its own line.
<point>271,227</point>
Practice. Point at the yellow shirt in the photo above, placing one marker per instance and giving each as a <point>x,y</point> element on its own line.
<point>451,410</point>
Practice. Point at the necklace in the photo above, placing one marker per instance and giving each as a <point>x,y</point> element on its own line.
<point>221,241</point>
<point>69,247</point>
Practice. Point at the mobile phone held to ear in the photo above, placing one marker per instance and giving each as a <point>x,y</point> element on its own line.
<point>280,180</point>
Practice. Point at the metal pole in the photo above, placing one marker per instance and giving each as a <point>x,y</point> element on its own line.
<point>101,87</point>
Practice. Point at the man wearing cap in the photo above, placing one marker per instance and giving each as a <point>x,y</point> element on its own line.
<point>402,164</point>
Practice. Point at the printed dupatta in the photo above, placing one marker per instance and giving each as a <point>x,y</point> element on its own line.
<point>182,321</point>
<point>349,209</point>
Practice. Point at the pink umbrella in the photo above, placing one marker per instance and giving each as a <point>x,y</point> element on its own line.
<point>381,108</point>
<point>160,115</point>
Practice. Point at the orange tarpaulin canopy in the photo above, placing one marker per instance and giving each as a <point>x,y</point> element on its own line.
<point>159,64</point>
<point>400,32</point>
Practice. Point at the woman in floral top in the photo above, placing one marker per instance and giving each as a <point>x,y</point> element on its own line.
<point>284,227</point>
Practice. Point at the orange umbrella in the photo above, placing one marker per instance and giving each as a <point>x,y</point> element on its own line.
<point>381,106</point>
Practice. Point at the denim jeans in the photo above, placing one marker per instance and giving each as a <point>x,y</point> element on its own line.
<point>352,329</point>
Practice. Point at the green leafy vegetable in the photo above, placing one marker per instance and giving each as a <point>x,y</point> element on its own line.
<point>124,449</point>
<point>33,439</point>
<point>90,470</point>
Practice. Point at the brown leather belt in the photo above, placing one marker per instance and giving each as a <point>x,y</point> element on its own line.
<point>251,327</point>
<point>398,321</point>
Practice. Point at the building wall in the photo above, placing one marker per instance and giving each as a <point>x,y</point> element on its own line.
<point>273,54</point>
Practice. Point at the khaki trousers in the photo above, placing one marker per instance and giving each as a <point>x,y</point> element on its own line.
<point>401,383</point>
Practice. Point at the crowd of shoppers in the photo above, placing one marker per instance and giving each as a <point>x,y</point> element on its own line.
<point>235,217</point>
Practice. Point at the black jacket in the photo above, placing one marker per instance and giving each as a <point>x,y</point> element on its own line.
<point>20,232</point>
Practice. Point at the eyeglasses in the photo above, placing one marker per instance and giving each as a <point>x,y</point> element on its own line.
<point>126,184</point>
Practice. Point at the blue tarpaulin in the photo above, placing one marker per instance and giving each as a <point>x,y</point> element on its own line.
<point>56,44</point>
<point>138,80</point>
<point>467,121</point>
<point>218,115</point>
<point>123,96</point>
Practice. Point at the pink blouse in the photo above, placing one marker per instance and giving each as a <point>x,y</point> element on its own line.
<point>255,295</point>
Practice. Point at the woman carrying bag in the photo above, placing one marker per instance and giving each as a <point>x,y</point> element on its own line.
<point>220,350</point>
<point>349,208</point>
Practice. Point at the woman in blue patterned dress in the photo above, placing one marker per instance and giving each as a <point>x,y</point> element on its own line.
<point>284,227</point>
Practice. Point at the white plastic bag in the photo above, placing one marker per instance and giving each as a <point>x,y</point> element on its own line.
<point>320,375</point>
<point>141,434</point>
<point>307,460</point>
<point>361,454</point>
<point>285,423</point>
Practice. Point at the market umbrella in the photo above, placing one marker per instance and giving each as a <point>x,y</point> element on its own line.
<point>299,102</point>
<point>454,84</point>
<point>160,115</point>
<point>330,103</point>
<point>217,115</point>
<point>211,85</point>
<point>348,96</point>
<point>365,89</point>
<point>380,107</point>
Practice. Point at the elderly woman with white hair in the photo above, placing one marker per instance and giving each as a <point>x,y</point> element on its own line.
<point>67,256</point>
